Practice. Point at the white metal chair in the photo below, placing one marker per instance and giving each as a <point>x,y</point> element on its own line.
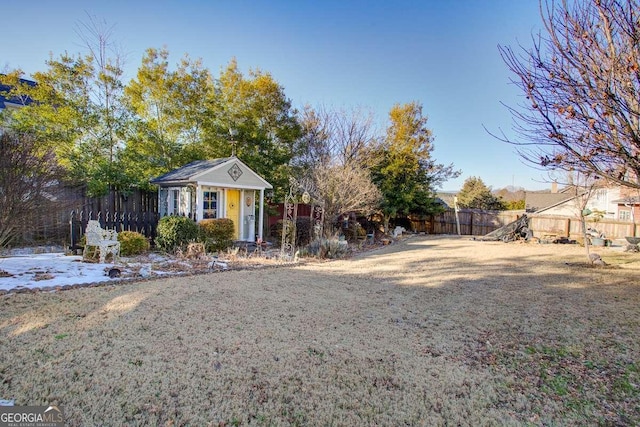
<point>105,241</point>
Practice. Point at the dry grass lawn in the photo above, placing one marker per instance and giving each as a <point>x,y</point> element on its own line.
<point>429,331</point>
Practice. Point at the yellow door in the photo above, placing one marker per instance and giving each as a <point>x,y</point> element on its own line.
<point>233,210</point>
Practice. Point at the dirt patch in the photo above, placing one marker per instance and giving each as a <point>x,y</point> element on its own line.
<point>429,331</point>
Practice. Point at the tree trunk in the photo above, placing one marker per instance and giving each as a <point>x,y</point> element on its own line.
<point>584,236</point>
<point>387,218</point>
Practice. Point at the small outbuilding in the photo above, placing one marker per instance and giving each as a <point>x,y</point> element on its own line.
<point>218,188</point>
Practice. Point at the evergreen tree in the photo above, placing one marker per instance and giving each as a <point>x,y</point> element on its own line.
<point>476,195</point>
<point>403,167</point>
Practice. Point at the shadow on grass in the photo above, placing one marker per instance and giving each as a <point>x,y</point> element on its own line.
<point>429,331</point>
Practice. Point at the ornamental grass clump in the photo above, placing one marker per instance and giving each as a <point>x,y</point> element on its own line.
<point>175,232</point>
<point>216,234</point>
<point>132,243</point>
<point>327,248</point>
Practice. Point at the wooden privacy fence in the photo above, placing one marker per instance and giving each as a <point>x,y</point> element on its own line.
<point>572,227</point>
<point>478,223</point>
<point>473,222</point>
<point>136,210</point>
<point>136,201</point>
<point>145,223</point>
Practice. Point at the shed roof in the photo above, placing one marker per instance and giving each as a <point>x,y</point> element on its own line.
<point>209,172</point>
<point>189,171</point>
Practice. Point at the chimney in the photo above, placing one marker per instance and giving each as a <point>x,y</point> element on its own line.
<point>554,187</point>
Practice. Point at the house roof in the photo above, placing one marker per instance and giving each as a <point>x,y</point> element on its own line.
<point>446,198</point>
<point>537,201</point>
<point>627,201</point>
<point>4,100</point>
<point>188,172</point>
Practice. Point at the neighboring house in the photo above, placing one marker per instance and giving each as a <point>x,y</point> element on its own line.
<point>219,188</point>
<point>535,201</point>
<point>446,198</point>
<point>608,199</point>
<point>628,207</point>
<point>8,102</point>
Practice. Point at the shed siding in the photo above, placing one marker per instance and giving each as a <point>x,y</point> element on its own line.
<point>221,176</point>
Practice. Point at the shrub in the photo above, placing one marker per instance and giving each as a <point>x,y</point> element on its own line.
<point>327,248</point>
<point>355,231</point>
<point>175,232</point>
<point>132,243</point>
<point>303,231</point>
<point>216,234</point>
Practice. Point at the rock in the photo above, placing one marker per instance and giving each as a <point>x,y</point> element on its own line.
<point>596,259</point>
<point>145,271</point>
<point>217,265</point>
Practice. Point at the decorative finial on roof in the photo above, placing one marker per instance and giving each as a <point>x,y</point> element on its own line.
<point>232,141</point>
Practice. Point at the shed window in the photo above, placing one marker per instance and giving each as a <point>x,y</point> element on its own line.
<point>174,202</point>
<point>210,204</point>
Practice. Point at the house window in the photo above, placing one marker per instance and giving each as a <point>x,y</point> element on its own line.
<point>624,215</point>
<point>210,204</point>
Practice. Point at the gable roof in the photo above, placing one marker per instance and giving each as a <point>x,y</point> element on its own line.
<point>187,172</point>
<point>446,198</point>
<point>538,201</point>
<point>200,172</point>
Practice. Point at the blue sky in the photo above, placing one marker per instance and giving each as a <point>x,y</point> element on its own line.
<point>340,54</point>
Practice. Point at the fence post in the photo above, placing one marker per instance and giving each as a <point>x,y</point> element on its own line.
<point>72,234</point>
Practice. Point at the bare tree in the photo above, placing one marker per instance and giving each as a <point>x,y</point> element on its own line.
<point>342,189</point>
<point>335,137</point>
<point>105,139</point>
<point>27,176</point>
<point>334,149</point>
<point>581,187</point>
<point>581,79</point>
